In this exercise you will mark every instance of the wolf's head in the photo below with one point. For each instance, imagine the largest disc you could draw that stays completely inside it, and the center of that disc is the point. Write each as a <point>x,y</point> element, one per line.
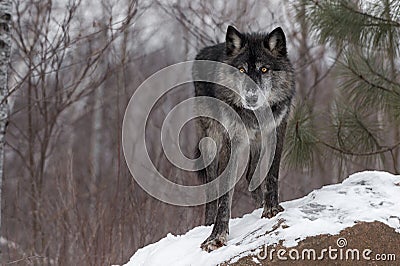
<point>262,57</point>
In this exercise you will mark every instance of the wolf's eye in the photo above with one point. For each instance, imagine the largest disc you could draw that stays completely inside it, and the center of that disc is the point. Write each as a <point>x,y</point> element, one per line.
<point>264,70</point>
<point>242,70</point>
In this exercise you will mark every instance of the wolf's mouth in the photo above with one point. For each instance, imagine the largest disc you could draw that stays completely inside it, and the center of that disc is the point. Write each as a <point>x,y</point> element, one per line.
<point>251,106</point>
<point>252,101</point>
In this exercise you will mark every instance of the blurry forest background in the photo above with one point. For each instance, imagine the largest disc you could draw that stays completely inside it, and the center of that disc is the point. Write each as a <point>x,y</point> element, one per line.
<point>68,197</point>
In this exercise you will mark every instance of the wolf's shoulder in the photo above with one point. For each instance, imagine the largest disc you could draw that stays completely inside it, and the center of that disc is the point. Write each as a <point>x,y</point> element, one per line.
<point>214,52</point>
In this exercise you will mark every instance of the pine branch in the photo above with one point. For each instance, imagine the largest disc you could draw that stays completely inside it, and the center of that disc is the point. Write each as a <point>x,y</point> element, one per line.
<point>368,34</point>
<point>388,22</point>
<point>349,152</point>
<point>300,138</point>
<point>370,83</point>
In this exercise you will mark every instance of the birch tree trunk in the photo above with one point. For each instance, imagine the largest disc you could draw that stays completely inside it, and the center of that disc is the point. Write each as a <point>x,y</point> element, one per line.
<point>5,47</point>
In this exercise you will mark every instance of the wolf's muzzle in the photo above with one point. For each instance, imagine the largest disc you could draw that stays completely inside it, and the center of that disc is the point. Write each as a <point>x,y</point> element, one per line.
<point>251,100</point>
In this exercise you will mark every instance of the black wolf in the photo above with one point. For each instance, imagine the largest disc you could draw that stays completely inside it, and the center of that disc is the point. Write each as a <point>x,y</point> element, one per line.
<point>263,57</point>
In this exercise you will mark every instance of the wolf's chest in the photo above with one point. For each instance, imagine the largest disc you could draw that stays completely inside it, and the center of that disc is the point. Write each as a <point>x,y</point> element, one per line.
<point>247,127</point>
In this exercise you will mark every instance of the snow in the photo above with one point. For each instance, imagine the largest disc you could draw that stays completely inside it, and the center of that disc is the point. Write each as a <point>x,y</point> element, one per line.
<point>366,196</point>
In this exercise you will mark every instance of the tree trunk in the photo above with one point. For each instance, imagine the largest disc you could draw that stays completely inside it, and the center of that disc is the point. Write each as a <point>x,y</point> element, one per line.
<point>5,47</point>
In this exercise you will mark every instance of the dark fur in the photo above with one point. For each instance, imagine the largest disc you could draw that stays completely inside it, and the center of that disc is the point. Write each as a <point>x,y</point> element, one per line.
<point>250,50</point>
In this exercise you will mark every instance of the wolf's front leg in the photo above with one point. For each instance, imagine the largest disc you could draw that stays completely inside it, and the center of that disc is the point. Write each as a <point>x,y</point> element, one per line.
<point>271,202</point>
<point>252,174</point>
<point>228,165</point>
<point>220,231</point>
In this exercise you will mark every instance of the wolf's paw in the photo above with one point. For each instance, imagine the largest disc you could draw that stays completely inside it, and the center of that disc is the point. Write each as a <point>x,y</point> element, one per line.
<point>213,243</point>
<point>271,212</point>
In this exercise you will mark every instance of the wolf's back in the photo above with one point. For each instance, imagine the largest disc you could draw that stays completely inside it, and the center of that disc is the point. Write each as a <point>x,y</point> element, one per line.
<point>212,53</point>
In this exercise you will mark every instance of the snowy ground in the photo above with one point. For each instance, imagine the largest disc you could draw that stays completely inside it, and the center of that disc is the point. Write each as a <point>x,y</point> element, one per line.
<point>366,196</point>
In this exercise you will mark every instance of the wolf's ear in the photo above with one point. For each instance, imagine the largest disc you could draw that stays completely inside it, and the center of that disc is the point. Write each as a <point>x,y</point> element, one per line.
<point>234,40</point>
<point>276,42</point>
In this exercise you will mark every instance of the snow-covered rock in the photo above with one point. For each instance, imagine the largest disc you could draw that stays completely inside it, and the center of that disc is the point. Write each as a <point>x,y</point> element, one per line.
<point>365,196</point>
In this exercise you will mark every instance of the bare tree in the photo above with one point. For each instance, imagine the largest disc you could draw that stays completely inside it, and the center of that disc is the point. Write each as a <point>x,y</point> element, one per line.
<point>5,48</point>
<point>57,68</point>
